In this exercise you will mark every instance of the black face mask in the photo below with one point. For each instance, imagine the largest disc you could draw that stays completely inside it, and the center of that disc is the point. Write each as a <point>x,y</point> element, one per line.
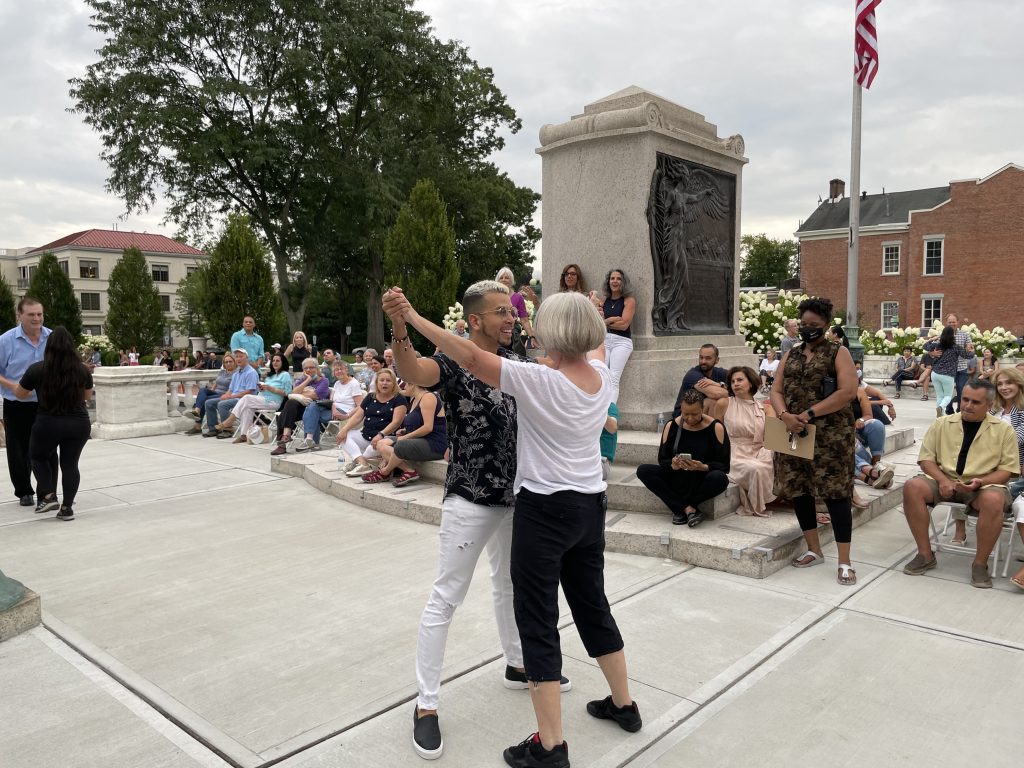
<point>810,335</point>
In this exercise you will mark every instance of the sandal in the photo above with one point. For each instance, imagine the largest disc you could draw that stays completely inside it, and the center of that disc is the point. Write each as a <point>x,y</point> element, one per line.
<point>824,518</point>
<point>896,396</point>
<point>847,577</point>
<point>405,478</point>
<point>1018,579</point>
<point>376,476</point>
<point>924,397</point>
<point>815,560</point>
<point>958,542</point>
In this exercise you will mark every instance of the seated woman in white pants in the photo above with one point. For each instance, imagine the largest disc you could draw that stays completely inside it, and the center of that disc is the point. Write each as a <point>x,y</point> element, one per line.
<point>618,309</point>
<point>381,415</point>
<point>273,390</point>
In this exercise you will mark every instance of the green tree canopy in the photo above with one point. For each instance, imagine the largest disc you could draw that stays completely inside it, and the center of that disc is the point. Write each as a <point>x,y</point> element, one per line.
<point>313,118</point>
<point>8,306</point>
<point>53,289</point>
<point>134,318</point>
<point>767,261</point>
<point>237,282</point>
<point>189,301</point>
<point>419,253</point>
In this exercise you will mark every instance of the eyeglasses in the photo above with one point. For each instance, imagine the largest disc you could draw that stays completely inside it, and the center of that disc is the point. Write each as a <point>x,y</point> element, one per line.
<point>570,274</point>
<point>499,311</point>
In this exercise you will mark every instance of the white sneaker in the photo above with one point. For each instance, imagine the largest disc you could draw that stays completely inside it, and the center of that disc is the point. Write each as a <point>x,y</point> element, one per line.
<point>346,468</point>
<point>303,445</point>
<point>358,470</point>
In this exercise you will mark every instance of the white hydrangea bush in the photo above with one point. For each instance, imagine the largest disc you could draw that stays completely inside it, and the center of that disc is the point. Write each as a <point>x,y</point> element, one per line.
<point>761,320</point>
<point>892,342</point>
<point>453,315</point>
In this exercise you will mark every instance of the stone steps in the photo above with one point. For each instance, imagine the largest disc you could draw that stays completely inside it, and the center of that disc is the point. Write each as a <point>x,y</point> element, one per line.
<point>747,546</point>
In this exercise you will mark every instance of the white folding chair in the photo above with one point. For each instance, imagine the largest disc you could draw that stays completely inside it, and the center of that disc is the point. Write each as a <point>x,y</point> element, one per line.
<point>964,549</point>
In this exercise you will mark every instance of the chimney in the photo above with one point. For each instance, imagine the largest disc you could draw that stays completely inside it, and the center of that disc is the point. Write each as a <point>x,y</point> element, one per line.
<point>836,189</point>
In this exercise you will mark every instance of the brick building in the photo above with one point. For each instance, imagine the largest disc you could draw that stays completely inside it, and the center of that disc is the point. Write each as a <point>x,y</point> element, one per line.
<point>925,253</point>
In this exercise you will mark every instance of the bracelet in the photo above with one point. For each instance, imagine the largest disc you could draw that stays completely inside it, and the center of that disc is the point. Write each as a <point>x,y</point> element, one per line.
<point>396,340</point>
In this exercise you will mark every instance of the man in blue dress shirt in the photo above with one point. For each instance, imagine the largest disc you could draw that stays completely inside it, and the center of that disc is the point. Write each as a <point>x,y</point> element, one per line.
<point>249,340</point>
<point>19,348</point>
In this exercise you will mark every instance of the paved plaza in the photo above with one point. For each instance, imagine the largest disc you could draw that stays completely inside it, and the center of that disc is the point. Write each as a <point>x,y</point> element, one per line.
<point>203,611</point>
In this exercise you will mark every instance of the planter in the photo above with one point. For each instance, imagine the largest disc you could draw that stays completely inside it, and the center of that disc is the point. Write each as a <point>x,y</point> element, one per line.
<point>198,344</point>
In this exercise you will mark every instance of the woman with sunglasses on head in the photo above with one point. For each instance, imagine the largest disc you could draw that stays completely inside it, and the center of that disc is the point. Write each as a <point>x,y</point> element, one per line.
<point>62,383</point>
<point>273,390</point>
<point>617,311</point>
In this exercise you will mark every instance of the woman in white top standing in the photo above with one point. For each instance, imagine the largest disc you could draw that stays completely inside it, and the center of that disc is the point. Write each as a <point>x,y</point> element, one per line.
<point>558,528</point>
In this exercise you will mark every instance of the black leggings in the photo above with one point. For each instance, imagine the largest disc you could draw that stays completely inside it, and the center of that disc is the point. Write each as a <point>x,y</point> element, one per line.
<point>68,434</point>
<point>839,509</point>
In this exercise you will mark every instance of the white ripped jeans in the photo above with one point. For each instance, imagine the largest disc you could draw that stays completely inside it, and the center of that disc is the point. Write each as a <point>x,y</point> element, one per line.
<point>617,350</point>
<point>466,529</point>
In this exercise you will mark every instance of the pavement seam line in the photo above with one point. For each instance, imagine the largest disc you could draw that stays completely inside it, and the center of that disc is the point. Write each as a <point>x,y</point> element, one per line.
<point>127,697</point>
<point>186,719</point>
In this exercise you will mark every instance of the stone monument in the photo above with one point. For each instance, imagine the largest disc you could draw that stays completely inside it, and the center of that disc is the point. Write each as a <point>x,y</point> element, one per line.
<point>639,183</point>
<point>19,608</point>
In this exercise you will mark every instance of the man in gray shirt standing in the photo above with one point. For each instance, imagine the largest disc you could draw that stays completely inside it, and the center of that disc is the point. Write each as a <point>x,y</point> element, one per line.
<point>962,365</point>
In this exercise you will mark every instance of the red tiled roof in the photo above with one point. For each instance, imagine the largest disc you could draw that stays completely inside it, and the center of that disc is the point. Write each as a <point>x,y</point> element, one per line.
<point>108,239</point>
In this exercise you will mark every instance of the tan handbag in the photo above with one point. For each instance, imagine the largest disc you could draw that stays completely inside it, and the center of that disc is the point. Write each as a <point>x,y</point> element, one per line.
<point>779,439</point>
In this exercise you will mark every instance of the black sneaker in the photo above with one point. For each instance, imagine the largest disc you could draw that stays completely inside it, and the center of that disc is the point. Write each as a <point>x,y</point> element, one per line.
<point>66,513</point>
<point>678,518</point>
<point>426,735</point>
<point>627,717</point>
<point>530,754</point>
<point>47,505</point>
<point>695,519</point>
<point>27,500</point>
<point>516,680</point>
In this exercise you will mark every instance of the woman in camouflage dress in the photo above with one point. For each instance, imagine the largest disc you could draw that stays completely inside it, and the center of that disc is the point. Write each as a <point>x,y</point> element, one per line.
<point>797,398</point>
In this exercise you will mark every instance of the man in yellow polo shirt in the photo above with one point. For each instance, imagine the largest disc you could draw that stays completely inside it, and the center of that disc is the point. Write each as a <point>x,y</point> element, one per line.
<point>966,458</point>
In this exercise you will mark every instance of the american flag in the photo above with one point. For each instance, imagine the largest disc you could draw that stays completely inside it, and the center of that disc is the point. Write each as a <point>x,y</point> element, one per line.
<point>866,43</point>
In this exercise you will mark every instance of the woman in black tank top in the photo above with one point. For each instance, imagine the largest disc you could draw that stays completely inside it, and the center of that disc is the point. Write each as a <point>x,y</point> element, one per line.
<point>684,483</point>
<point>619,307</point>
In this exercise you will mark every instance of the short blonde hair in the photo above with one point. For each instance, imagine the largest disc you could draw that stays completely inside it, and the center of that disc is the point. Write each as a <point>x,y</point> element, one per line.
<point>1017,377</point>
<point>388,372</point>
<point>568,323</point>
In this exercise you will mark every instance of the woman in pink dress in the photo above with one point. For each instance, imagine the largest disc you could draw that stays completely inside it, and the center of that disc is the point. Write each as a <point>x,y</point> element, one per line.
<point>751,463</point>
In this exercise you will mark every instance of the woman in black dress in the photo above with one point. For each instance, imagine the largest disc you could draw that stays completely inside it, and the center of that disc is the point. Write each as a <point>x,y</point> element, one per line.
<point>693,461</point>
<point>62,383</point>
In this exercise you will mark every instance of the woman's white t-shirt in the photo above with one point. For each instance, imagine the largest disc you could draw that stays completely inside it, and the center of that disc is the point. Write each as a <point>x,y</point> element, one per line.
<point>769,367</point>
<point>558,428</point>
<point>347,396</point>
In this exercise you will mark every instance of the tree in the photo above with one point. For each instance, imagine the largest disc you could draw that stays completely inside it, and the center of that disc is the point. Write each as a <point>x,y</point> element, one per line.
<point>238,283</point>
<point>8,309</point>
<point>189,301</point>
<point>419,252</point>
<point>134,318</point>
<point>315,119</point>
<point>53,289</point>
<point>767,261</point>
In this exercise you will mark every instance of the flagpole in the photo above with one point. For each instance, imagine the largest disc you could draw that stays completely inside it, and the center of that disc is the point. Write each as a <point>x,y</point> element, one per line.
<point>853,252</point>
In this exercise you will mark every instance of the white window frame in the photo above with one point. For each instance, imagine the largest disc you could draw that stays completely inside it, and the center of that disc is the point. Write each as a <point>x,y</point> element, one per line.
<point>899,257</point>
<point>165,297</point>
<point>153,268</point>
<point>81,266</point>
<point>941,240</point>
<point>99,301</point>
<point>888,323</point>
<point>939,297</point>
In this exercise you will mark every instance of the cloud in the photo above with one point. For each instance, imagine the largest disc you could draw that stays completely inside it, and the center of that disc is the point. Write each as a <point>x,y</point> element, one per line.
<point>945,104</point>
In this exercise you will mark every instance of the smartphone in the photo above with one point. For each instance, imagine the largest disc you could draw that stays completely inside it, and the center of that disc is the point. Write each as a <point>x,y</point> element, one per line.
<point>683,456</point>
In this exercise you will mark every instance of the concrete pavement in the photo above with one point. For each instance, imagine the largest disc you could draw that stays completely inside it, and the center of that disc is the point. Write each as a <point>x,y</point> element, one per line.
<point>201,611</point>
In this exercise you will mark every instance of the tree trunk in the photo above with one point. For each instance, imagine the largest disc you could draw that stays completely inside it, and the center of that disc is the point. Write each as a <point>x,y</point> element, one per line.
<point>374,313</point>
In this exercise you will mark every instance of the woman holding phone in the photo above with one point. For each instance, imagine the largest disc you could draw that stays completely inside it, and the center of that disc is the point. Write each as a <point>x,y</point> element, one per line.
<point>693,461</point>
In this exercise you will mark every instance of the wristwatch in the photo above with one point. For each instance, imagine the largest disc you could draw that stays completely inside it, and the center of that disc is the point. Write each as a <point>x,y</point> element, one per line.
<point>810,413</point>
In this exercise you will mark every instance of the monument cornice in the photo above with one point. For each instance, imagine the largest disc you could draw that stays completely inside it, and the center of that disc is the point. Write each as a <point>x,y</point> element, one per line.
<point>648,116</point>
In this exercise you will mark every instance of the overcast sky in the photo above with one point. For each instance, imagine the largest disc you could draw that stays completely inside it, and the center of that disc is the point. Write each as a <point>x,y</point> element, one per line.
<point>947,102</point>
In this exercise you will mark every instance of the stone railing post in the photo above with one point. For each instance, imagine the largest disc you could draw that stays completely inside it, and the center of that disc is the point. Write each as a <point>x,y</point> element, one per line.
<point>182,388</point>
<point>19,608</point>
<point>131,401</point>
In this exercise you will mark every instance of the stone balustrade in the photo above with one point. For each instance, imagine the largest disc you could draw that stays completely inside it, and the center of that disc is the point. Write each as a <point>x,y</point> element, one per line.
<point>142,400</point>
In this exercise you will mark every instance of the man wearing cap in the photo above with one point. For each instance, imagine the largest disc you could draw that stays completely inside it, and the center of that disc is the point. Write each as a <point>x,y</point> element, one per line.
<point>244,381</point>
<point>248,340</point>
